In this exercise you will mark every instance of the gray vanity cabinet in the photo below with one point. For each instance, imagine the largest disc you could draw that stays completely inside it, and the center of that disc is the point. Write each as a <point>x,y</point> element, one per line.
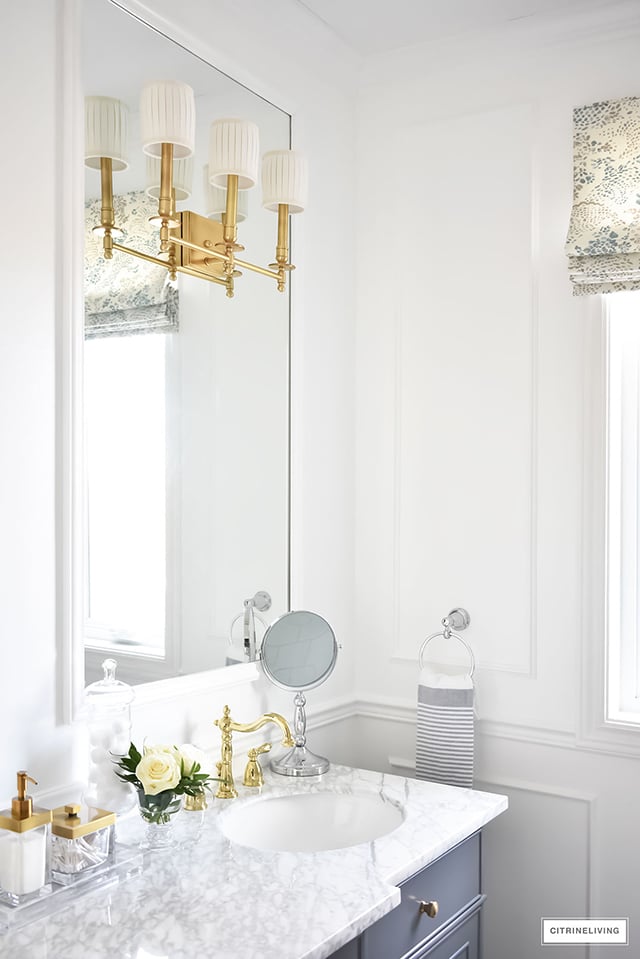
<point>453,882</point>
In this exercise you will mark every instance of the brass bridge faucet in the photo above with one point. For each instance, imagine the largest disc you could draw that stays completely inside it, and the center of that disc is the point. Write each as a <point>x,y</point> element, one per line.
<point>227,725</point>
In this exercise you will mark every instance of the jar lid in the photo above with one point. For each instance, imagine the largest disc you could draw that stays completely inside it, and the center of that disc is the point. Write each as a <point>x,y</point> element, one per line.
<point>109,691</point>
<point>73,820</point>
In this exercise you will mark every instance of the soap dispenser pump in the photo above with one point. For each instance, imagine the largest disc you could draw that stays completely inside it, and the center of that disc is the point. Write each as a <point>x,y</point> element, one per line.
<point>24,847</point>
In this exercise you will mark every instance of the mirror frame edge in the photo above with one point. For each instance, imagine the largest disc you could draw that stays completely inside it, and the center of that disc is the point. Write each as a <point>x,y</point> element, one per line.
<point>69,670</point>
<point>69,283</point>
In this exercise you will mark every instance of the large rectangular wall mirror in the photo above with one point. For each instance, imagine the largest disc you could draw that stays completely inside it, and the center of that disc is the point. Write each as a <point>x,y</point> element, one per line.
<point>185,406</point>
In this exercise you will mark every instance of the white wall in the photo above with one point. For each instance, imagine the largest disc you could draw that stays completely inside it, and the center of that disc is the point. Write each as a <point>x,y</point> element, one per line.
<point>28,398</point>
<point>470,426</point>
<point>272,59</point>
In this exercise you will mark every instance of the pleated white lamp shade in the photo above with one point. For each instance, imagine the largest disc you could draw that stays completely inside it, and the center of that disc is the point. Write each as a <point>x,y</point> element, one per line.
<point>216,200</point>
<point>284,180</point>
<point>234,148</point>
<point>168,115</point>
<point>182,177</point>
<point>106,132</point>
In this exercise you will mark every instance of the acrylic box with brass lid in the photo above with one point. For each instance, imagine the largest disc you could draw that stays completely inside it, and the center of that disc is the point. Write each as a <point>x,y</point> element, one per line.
<point>82,838</point>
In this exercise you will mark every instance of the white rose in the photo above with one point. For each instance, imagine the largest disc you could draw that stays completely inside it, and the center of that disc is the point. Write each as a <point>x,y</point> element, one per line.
<point>158,770</point>
<point>191,755</point>
<point>162,748</point>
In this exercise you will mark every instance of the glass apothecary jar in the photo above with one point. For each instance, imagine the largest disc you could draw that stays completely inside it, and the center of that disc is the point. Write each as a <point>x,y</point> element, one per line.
<point>107,709</point>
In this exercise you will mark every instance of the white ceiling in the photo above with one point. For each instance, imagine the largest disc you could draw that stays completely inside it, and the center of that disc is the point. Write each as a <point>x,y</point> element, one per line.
<point>374,26</point>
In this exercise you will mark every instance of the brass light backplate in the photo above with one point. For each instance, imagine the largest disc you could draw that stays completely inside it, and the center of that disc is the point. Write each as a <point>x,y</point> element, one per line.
<point>203,232</point>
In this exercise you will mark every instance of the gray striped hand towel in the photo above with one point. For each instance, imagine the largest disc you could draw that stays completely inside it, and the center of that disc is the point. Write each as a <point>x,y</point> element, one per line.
<point>445,734</point>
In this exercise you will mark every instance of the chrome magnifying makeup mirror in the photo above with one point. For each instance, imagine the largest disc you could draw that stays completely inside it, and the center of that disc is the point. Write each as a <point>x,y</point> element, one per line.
<point>299,652</point>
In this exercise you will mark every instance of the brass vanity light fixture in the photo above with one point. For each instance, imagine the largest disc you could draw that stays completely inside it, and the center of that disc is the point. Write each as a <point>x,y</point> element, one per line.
<point>188,242</point>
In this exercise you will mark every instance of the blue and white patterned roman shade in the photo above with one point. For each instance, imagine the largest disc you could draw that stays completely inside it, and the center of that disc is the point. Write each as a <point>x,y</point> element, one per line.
<point>603,243</point>
<point>127,295</point>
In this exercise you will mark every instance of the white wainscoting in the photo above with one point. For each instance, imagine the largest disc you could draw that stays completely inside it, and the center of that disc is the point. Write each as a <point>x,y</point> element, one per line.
<point>536,862</point>
<point>564,848</point>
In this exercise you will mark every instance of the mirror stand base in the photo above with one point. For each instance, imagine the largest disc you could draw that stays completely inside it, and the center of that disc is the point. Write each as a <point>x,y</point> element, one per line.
<point>300,761</point>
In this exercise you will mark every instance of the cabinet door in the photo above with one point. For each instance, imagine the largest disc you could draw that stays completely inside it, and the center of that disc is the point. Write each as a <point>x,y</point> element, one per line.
<point>351,950</point>
<point>453,881</point>
<point>462,943</point>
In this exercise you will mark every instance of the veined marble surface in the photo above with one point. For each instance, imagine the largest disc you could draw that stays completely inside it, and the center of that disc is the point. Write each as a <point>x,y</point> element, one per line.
<point>213,898</point>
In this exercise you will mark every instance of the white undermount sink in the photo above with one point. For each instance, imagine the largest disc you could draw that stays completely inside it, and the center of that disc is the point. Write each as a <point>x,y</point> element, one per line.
<point>311,822</point>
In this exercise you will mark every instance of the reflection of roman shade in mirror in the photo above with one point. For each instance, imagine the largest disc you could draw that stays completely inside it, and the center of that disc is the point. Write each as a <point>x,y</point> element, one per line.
<point>126,295</point>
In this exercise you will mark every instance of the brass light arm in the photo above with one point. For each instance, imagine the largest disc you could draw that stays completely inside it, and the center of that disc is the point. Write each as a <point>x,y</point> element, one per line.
<point>199,249</point>
<point>256,269</point>
<point>107,219</point>
<point>142,256</point>
<point>222,256</point>
<point>166,264</point>
<point>282,248</point>
<point>165,200</point>
<point>198,273</point>
<point>230,216</point>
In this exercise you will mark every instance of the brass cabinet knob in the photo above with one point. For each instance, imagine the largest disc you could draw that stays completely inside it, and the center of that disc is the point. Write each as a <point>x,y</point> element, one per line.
<point>431,908</point>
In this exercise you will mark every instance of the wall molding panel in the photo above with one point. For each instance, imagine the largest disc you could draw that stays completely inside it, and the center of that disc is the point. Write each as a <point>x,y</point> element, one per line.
<point>445,395</point>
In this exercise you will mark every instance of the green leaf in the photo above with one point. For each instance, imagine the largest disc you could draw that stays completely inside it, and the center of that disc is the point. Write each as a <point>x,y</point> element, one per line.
<point>129,778</point>
<point>163,799</point>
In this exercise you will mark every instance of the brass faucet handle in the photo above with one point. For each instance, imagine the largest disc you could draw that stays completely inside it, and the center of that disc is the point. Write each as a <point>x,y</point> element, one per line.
<point>253,772</point>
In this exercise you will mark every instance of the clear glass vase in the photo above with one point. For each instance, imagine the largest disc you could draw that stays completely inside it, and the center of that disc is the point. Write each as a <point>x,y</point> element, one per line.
<point>159,813</point>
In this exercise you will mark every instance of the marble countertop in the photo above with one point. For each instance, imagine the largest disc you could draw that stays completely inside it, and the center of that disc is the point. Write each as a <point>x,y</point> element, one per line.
<point>215,898</point>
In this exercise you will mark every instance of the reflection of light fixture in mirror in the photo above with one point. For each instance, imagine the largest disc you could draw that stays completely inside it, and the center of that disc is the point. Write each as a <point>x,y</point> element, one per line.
<point>190,243</point>
<point>216,200</point>
<point>182,178</point>
<point>299,651</point>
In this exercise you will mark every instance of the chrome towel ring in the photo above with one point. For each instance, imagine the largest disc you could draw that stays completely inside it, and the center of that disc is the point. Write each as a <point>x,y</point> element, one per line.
<point>460,619</point>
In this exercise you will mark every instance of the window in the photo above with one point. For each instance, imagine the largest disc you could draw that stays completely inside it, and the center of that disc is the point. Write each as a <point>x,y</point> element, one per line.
<point>125,423</point>
<point>623,519</point>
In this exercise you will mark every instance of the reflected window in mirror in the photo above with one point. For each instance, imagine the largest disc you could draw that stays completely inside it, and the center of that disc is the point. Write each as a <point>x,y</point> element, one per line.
<point>126,463</point>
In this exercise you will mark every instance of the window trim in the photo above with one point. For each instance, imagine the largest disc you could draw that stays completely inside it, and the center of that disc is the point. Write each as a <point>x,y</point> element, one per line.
<point>595,730</point>
<point>623,513</point>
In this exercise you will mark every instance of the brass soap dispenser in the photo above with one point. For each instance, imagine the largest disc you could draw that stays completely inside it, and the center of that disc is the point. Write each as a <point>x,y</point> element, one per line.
<point>24,847</point>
